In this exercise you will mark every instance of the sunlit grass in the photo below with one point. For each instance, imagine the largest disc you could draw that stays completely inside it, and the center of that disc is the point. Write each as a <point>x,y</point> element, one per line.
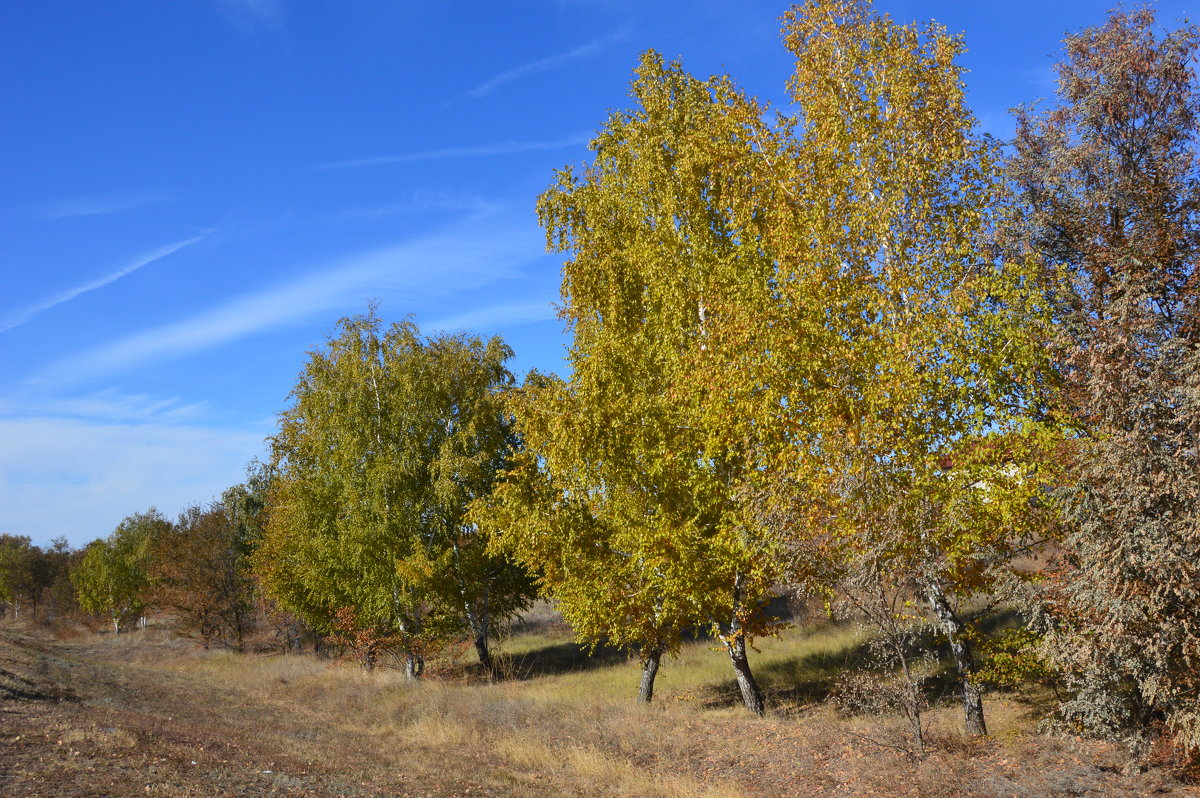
<point>533,726</point>
<point>799,662</point>
<point>564,722</point>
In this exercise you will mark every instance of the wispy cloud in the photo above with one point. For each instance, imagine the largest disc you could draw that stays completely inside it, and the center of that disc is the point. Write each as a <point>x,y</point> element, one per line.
<point>78,477</point>
<point>107,405</point>
<point>74,465</point>
<point>497,316</point>
<point>250,14</point>
<point>501,148</point>
<point>579,53</point>
<point>468,255</point>
<point>420,202</point>
<point>100,204</point>
<point>22,315</point>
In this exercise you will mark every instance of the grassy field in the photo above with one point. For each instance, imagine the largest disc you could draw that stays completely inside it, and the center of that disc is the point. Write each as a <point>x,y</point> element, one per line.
<point>148,715</point>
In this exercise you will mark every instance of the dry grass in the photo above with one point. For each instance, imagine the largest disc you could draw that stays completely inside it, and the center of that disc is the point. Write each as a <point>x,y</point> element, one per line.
<point>152,715</point>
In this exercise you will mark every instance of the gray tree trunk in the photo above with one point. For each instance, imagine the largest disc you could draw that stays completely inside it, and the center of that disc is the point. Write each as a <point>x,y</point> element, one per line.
<point>735,644</point>
<point>752,696</point>
<point>649,673</point>
<point>964,660</point>
<point>481,626</point>
<point>414,666</point>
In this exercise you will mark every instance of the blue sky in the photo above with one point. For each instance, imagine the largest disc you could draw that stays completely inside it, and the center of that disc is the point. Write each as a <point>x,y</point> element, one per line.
<point>194,192</point>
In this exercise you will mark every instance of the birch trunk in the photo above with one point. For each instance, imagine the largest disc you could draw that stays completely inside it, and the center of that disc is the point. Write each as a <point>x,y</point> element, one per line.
<point>964,660</point>
<point>485,655</point>
<point>735,645</point>
<point>752,696</point>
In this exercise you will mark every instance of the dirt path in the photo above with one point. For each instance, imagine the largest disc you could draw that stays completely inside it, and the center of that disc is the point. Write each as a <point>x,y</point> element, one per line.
<point>82,720</point>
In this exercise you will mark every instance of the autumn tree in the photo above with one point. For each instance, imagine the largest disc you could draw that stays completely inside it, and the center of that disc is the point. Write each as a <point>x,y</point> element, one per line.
<point>389,437</point>
<point>51,580</point>
<point>601,559</point>
<point>199,573</point>
<point>628,442</point>
<point>902,362</point>
<point>112,578</point>
<point>19,573</point>
<point>1107,201</point>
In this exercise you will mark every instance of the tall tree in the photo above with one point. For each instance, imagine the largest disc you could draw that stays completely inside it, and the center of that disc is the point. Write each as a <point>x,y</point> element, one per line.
<point>474,442</point>
<point>58,594</point>
<point>388,438</point>
<point>1108,190</point>
<point>653,260</point>
<point>902,363</point>
<point>112,578</point>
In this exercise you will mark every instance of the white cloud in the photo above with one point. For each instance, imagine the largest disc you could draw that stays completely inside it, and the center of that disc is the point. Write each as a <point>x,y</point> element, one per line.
<point>100,204</point>
<point>468,255</point>
<point>79,478</point>
<point>249,14</point>
<point>22,315</point>
<point>484,151</point>
<point>491,318</point>
<point>109,404</point>
<point>418,202</point>
<point>541,65</point>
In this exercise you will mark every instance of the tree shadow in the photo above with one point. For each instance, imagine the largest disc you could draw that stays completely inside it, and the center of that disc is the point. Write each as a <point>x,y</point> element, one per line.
<point>802,680</point>
<point>559,658</point>
<point>812,678</point>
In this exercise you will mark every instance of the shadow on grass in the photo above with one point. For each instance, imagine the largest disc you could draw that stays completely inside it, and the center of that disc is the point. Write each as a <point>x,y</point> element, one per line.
<point>805,679</point>
<point>559,658</point>
<point>811,678</point>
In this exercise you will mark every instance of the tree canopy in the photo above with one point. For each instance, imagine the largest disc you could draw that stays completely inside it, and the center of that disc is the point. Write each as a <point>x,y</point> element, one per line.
<point>1108,203</point>
<point>389,436</point>
<point>112,578</point>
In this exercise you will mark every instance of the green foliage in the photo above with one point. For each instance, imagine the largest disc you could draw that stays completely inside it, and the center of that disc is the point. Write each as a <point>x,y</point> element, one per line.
<point>627,498</point>
<point>112,578</point>
<point>1015,658</point>
<point>607,571</point>
<point>246,506</point>
<point>388,438</point>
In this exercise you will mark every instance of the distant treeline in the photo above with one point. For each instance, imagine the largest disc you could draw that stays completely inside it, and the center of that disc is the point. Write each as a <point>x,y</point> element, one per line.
<point>35,583</point>
<point>852,349</point>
